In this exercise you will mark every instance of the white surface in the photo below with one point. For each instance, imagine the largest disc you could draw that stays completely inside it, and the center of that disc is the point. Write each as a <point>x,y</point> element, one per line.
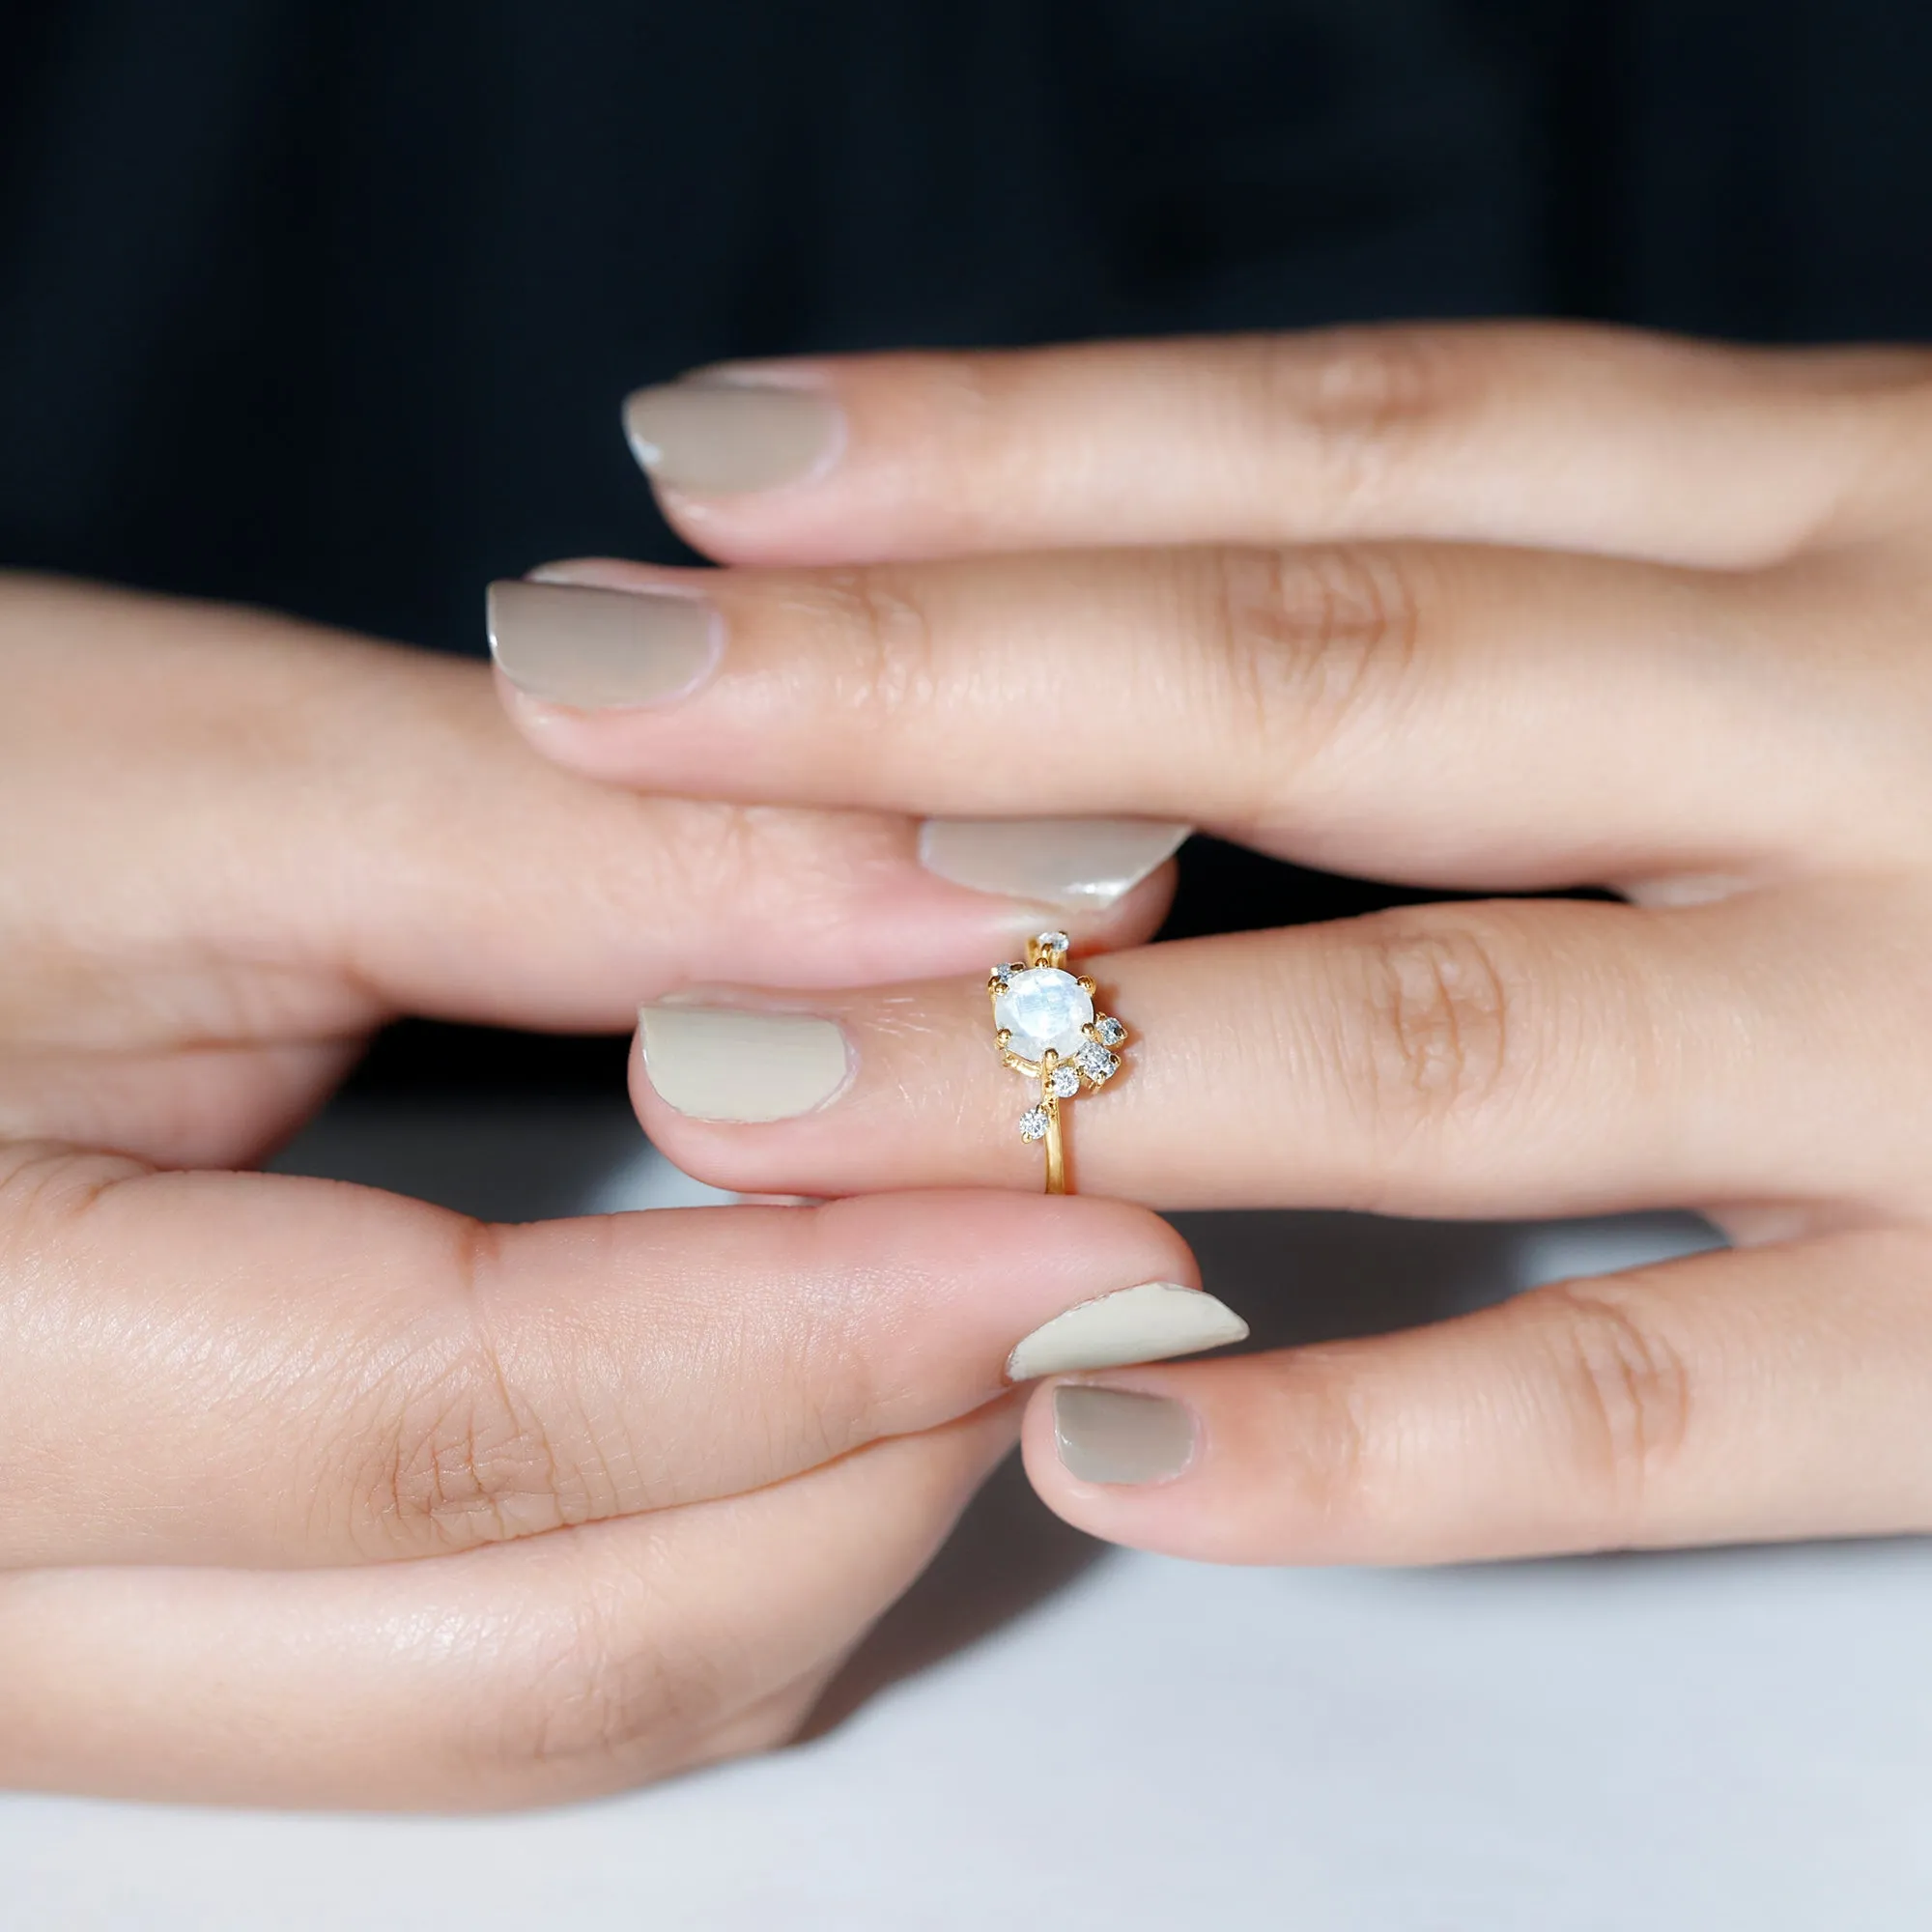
<point>1734,1738</point>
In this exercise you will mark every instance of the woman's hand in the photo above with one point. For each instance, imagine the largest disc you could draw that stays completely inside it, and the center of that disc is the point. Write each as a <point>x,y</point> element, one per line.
<point>310,1494</point>
<point>1491,609</point>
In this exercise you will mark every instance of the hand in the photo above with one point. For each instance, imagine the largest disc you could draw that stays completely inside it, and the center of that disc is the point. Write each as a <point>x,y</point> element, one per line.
<point>1491,609</point>
<point>310,1494</point>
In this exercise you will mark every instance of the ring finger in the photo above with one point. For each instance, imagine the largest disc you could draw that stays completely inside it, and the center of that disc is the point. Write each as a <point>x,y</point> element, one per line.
<point>1496,1059</point>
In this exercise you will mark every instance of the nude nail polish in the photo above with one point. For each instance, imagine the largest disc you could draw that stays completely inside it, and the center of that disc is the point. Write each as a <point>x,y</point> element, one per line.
<point>1119,1435</point>
<point>1146,1323</point>
<point>715,438</point>
<point>1073,865</point>
<point>599,649</point>
<point>733,1064</point>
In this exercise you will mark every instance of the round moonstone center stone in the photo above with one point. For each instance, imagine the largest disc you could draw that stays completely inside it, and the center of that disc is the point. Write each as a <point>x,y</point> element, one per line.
<point>1044,1008</point>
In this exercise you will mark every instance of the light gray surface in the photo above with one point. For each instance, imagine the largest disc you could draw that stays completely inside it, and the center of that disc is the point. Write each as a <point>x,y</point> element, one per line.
<point>1733,1739</point>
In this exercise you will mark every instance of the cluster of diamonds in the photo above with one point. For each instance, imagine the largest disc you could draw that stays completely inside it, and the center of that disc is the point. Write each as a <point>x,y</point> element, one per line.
<point>1075,1043</point>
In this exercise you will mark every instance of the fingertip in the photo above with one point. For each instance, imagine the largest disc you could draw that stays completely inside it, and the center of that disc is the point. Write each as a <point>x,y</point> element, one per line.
<point>1148,1459</point>
<point>727,449</point>
<point>1110,1456</point>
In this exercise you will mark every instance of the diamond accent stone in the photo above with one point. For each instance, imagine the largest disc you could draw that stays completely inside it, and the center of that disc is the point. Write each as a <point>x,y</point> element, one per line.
<point>1032,1124</point>
<point>1063,1083</point>
<point>1110,1031</point>
<point>1096,1063</point>
<point>1042,1008</point>
<point>1053,942</point>
<point>1000,975</point>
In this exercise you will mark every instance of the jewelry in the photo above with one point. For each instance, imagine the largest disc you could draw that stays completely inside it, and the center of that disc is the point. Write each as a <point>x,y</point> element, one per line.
<point>1049,1030</point>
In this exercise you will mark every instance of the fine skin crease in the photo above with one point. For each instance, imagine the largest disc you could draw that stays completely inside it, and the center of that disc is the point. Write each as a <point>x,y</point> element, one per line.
<point>1491,609</point>
<point>314,1495</point>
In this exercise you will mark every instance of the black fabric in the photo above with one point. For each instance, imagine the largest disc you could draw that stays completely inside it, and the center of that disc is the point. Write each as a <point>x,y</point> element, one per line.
<point>329,303</point>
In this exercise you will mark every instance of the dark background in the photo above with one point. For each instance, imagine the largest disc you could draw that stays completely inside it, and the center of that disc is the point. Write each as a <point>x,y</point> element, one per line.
<point>330,306</point>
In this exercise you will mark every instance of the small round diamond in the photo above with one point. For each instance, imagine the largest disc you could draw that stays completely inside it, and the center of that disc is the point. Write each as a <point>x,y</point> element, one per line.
<point>1110,1031</point>
<point>1001,976</point>
<point>1063,1083</point>
<point>1032,1124</point>
<point>1044,1008</point>
<point>1096,1063</point>
<point>1053,942</point>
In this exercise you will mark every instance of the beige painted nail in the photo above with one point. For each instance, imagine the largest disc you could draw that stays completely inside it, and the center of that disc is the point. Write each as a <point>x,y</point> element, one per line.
<point>1075,864</point>
<point>576,645</point>
<point>1117,1436</point>
<point>720,438</point>
<point>728,1063</point>
<point>1146,1323</point>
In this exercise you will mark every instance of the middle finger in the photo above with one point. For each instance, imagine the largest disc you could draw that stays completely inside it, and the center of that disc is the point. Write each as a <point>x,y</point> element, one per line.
<point>254,1370</point>
<point>1444,715</point>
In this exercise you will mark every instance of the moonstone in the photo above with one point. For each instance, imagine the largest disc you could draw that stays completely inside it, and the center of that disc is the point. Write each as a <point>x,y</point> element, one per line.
<point>1044,1008</point>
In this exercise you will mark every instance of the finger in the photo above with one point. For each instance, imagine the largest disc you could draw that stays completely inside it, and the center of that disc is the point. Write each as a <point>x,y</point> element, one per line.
<point>1576,439</point>
<point>1501,720</point>
<point>1493,1060</point>
<point>354,831</point>
<point>261,1370</point>
<point>1730,1398</point>
<point>544,1672</point>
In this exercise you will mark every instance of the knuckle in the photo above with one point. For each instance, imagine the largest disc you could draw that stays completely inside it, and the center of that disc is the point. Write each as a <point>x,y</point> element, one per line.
<point>1312,645</point>
<point>1365,396</point>
<point>598,1696</point>
<point>462,1466</point>
<point>455,1454</point>
<point>1627,1390</point>
<point>1324,1413</point>
<point>723,848</point>
<point>1444,1008</point>
<point>889,666</point>
<point>967,404</point>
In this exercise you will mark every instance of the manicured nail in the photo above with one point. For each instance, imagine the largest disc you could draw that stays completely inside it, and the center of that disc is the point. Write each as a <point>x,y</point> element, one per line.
<point>1113,1436</point>
<point>575,644</point>
<point>1075,864</point>
<point>728,1063</point>
<point>1146,1323</point>
<point>718,439</point>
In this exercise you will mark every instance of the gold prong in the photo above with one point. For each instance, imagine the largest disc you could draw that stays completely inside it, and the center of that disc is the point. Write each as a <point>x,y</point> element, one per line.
<point>1052,1060</point>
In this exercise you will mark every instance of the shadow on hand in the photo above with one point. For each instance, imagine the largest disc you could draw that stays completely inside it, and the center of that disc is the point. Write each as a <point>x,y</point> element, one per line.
<point>1296,1278</point>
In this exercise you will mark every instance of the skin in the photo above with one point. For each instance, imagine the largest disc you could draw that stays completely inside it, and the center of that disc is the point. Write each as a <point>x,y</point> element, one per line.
<point>1489,609</point>
<point>312,1495</point>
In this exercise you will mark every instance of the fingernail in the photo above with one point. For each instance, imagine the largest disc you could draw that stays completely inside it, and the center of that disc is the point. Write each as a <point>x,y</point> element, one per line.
<point>728,1063</point>
<point>575,644</point>
<point>1076,864</point>
<point>716,438</point>
<point>1146,1323</point>
<point>1113,1436</point>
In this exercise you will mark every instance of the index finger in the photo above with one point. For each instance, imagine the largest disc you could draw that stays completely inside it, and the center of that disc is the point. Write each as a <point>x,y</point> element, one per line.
<point>273,1371</point>
<point>1529,434</point>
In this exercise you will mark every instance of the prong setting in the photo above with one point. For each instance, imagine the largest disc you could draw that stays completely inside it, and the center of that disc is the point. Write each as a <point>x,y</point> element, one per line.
<point>1048,1030</point>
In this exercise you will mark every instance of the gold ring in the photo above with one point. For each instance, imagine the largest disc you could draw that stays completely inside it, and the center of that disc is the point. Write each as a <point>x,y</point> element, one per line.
<point>1049,1029</point>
